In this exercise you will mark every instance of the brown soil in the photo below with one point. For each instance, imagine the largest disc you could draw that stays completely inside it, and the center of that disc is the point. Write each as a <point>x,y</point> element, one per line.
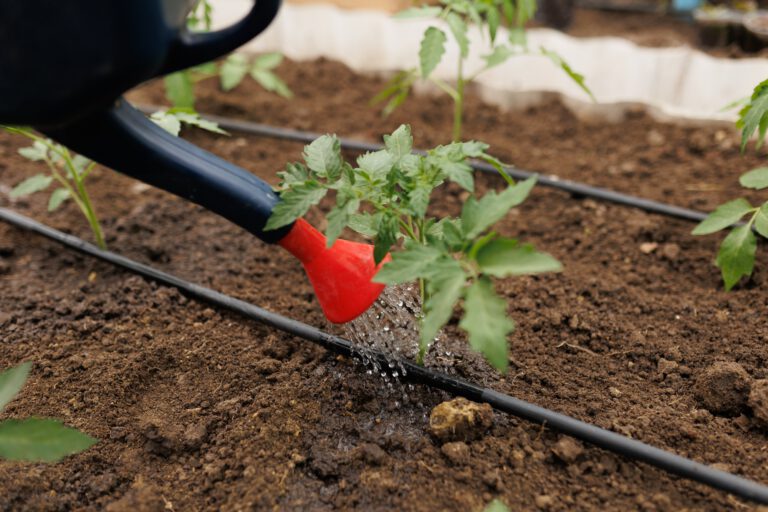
<point>198,409</point>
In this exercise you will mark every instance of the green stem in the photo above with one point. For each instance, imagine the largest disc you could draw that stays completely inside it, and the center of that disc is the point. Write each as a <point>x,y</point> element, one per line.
<point>458,102</point>
<point>86,207</point>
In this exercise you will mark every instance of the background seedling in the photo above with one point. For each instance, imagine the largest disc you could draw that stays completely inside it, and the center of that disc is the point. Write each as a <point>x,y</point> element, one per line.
<point>34,439</point>
<point>736,257</point>
<point>386,197</point>
<point>487,16</point>
<point>65,169</point>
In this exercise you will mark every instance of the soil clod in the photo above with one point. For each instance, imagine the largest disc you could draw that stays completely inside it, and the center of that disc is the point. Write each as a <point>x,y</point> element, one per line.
<point>460,420</point>
<point>723,388</point>
<point>457,452</point>
<point>758,401</point>
<point>568,450</point>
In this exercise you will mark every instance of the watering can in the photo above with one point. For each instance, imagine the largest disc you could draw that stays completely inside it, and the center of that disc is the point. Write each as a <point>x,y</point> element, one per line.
<point>63,68</point>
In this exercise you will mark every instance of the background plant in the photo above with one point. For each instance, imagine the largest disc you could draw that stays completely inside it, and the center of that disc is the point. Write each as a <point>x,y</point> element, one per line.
<point>67,170</point>
<point>736,256</point>
<point>34,439</point>
<point>386,197</point>
<point>487,16</point>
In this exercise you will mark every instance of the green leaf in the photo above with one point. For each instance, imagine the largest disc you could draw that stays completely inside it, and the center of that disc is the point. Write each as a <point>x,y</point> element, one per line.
<point>498,56</point>
<point>365,224</point>
<point>756,178</point>
<point>754,116</point>
<point>377,164</point>
<point>576,77</point>
<point>167,122</point>
<point>485,320</point>
<point>57,198</point>
<point>460,173</point>
<point>432,50</point>
<point>418,12</point>
<point>80,164</point>
<point>496,506</point>
<point>444,287</point>
<point>526,9</point>
<point>517,37</point>
<point>389,229</point>
<point>338,218</point>
<point>408,265</point>
<point>294,204</point>
<point>194,119</point>
<point>31,185</point>
<point>494,20</point>
<point>233,70</point>
<point>761,220</point>
<point>400,143</point>
<point>293,173</point>
<point>418,199</point>
<point>509,10</point>
<point>36,152</point>
<point>504,257</point>
<point>271,82</point>
<point>477,216</point>
<point>268,60</point>
<point>459,31</point>
<point>11,382</point>
<point>724,216</point>
<point>179,89</point>
<point>323,157</point>
<point>736,257</point>
<point>40,440</point>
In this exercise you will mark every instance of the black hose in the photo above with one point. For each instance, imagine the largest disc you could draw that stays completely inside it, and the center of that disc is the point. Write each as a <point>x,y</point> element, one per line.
<point>551,181</point>
<point>608,440</point>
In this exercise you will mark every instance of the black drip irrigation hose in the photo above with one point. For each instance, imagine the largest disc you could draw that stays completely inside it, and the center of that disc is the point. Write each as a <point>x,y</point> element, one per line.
<point>667,461</point>
<point>551,181</point>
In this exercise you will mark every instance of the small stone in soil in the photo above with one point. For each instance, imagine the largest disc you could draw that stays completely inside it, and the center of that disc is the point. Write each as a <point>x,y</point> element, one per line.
<point>758,401</point>
<point>567,450</point>
<point>723,388</point>
<point>460,420</point>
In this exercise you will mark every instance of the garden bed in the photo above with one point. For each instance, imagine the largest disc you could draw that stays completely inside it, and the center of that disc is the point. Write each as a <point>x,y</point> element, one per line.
<point>197,408</point>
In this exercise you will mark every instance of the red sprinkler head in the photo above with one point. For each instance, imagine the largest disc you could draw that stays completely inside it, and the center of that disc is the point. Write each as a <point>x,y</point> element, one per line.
<point>341,275</point>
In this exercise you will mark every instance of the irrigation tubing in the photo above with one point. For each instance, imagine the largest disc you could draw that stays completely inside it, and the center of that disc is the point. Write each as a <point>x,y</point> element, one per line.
<point>606,439</point>
<point>551,181</point>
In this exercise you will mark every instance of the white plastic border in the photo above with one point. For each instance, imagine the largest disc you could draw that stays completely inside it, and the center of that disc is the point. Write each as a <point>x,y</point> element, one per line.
<point>674,82</point>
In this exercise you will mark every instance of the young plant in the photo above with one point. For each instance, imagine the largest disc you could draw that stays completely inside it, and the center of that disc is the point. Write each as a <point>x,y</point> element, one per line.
<point>487,15</point>
<point>34,439</point>
<point>736,257</point>
<point>386,197</point>
<point>180,86</point>
<point>68,171</point>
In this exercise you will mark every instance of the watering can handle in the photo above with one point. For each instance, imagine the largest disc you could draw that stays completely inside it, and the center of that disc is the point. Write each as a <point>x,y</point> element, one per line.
<point>126,140</point>
<point>191,49</point>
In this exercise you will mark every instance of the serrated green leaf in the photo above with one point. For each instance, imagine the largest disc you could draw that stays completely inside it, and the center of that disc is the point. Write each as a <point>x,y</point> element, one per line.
<point>754,116</point>
<point>194,119</point>
<point>40,440</point>
<point>179,89</point>
<point>408,265</point>
<point>293,173</point>
<point>11,382</point>
<point>459,31</point>
<point>578,78</point>
<point>498,56</point>
<point>445,287</point>
<point>80,164</point>
<point>473,148</point>
<point>38,151</point>
<point>485,320</point>
<point>323,157</point>
<point>479,215</point>
<point>418,12</point>
<point>57,198</point>
<point>736,257</point>
<point>271,82</point>
<point>459,173</point>
<point>376,164</point>
<point>504,257</point>
<point>386,237</point>
<point>756,178</point>
<point>365,224</point>
<point>294,204</point>
<point>400,143</point>
<point>31,185</point>
<point>167,122</point>
<point>233,70</point>
<point>418,199</point>
<point>268,60</point>
<point>761,220</point>
<point>338,218</point>
<point>432,50</point>
<point>724,216</point>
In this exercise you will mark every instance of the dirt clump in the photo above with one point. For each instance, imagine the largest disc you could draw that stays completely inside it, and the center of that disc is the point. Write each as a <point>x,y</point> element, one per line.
<point>758,401</point>
<point>460,420</point>
<point>723,388</point>
<point>457,452</point>
<point>568,450</point>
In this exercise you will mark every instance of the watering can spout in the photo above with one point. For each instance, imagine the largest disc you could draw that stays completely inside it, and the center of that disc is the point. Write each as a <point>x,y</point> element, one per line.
<point>341,275</point>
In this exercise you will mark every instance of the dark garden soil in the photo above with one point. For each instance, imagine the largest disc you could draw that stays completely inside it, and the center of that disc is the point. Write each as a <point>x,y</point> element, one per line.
<point>198,409</point>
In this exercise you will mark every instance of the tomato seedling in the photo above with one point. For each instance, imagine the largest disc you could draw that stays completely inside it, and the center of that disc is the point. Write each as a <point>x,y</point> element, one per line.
<point>458,15</point>
<point>386,197</point>
<point>34,439</point>
<point>67,170</point>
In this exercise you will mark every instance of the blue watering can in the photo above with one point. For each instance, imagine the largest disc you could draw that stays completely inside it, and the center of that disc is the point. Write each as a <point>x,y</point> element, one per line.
<point>64,65</point>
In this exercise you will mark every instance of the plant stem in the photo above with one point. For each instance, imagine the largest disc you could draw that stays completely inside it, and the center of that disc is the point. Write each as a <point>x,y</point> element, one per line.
<point>458,102</point>
<point>85,205</point>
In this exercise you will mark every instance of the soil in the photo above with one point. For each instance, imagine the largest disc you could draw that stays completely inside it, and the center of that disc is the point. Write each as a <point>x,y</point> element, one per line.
<point>198,409</point>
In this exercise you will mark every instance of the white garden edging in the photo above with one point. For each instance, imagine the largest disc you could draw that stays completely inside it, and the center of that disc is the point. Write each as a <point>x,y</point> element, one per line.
<point>677,82</point>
